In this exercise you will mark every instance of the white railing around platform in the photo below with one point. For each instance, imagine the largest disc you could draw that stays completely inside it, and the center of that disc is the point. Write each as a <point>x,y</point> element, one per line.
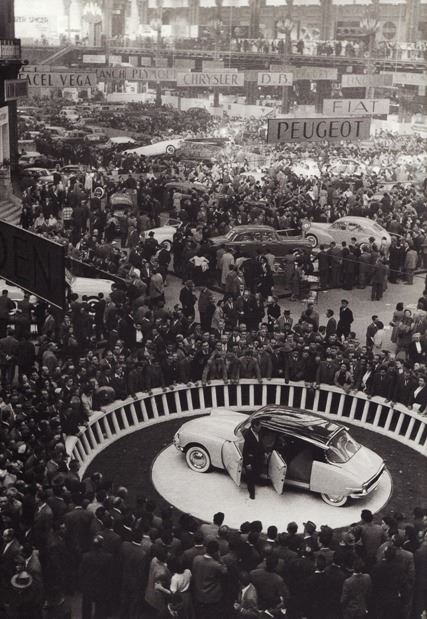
<point>124,417</point>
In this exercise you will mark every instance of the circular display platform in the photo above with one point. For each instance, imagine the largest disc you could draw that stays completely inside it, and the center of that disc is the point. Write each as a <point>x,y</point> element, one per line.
<point>204,494</point>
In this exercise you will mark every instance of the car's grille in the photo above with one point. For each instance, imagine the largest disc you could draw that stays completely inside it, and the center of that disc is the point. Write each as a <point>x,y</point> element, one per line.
<point>368,485</point>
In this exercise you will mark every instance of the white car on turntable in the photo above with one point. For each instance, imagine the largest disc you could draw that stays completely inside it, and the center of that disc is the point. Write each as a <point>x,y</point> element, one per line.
<point>303,449</point>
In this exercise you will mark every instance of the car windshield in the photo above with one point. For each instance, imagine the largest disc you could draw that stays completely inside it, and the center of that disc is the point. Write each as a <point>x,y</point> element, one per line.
<point>341,448</point>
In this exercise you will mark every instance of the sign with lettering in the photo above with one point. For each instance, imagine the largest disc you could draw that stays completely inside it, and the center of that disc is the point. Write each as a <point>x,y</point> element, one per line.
<point>13,89</point>
<point>308,73</point>
<point>33,263</point>
<point>354,80</point>
<point>317,129</point>
<point>408,79</point>
<point>95,59</point>
<point>61,80</point>
<point>136,74</point>
<point>210,79</point>
<point>275,78</point>
<point>10,48</point>
<point>358,107</point>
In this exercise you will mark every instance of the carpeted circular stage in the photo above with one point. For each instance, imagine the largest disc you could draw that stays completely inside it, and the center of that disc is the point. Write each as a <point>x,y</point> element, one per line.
<point>204,494</point>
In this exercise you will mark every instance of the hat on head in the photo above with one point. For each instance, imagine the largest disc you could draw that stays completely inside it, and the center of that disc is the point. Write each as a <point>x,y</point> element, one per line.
<point>22,580</point>
<point>310,527</point>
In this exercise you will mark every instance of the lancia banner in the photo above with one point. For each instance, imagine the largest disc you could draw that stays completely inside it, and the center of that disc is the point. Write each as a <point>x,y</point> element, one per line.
<point>366,80</point>
<point>136,74</point>
<point>210,79</point>
<point>275,78</point>
<point>358,107</point>
<point>60,79</point>
<point>317,129</point>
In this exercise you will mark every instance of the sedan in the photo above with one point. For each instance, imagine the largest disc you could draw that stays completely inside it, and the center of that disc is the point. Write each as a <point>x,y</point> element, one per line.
<point>301,449</point>
<point>248,239</point>
<point>346,228</point>
<point>40,174</point>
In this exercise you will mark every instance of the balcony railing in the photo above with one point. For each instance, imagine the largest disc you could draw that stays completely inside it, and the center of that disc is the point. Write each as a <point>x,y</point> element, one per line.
<point>121,418</point>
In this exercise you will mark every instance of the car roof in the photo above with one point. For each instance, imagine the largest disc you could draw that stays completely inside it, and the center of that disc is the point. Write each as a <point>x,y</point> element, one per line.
<point>252,227</point>
<point>299,423</point>
<point>360,220</point>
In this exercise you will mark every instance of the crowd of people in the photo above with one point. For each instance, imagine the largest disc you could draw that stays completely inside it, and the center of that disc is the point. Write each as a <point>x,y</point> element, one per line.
<point>62,534</point>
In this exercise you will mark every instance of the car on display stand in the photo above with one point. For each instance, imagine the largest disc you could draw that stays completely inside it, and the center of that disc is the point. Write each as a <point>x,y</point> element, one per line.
<point>302,450</point>
<point>344,229</point>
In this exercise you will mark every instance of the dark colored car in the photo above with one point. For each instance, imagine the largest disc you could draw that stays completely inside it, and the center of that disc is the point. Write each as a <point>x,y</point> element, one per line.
<point>248,239</point>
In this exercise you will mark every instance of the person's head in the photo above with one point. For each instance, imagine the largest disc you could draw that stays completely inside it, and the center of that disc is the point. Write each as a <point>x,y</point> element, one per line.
<point>212,548</point>
<point>366,515</point>
<point>329,313</point>
<point>256,425</point>
<point>218,518</point>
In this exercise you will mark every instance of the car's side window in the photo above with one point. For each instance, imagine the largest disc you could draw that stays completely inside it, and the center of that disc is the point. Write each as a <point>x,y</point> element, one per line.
<point>268,236</point>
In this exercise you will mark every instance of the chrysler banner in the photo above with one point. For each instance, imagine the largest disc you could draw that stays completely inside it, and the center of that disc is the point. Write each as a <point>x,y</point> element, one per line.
<point>358,107</point>
<point>317,129</point>
<point>210,78</point>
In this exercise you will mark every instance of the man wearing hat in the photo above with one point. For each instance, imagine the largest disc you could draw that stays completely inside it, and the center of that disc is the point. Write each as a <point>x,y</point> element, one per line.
<point>25,599</point>
<point>253,456</point>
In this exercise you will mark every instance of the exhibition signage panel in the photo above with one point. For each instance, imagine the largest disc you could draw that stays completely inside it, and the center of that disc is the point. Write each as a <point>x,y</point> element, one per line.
<point>33,263</point>
<point>61,80</point>
<point>308,73</point>
<point>13,89</point>
<point>136,74</point>
<point>366,80</point>
<point>409,79</point>
<point>210,79</point>
<point>317,129</point>
<point>358,107</point>
<point>94,59</point>
<point>275,78</point>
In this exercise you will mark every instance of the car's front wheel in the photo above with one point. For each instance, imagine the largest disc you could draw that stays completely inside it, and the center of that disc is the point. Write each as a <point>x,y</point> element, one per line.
<point>167,244</point>
<point>335,500</point>
<point>311,238</point>
<point>198,459</point>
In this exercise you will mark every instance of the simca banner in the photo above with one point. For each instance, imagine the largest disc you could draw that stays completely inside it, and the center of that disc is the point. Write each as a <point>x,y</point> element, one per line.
<point>317,129</point>
<point>275,78</point>
<point>210,79</point>
<point>408,79</point>
<point>358,107</point>
<point>353,80</point>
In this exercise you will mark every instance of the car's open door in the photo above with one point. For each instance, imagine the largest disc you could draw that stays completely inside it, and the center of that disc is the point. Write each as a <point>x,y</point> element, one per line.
<point>232,460</point>
<point>277,471</point>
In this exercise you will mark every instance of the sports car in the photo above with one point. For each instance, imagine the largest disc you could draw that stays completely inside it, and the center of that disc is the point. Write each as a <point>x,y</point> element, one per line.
<point>302,449</point>
<point>346,228</point>
<point>164,234</point>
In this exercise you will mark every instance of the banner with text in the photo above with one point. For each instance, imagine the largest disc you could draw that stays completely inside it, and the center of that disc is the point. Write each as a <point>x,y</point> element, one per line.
<point>275,78</point>
<point>308,73</point>
<point>408,79</point>
<point>136,74</point>
<point>60,79</point>
<point>353,80</point>
<point>210,79</point>
<point>317,129</point>
<point>358,107</point>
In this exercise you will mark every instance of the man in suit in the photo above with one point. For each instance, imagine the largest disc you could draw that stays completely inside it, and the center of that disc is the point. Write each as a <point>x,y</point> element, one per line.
<point>417,350</point>
<point>345,320</point>
<point>381,384</point>
<point>246,604</point>
<point>253,456</point>
<point>355,593</point>
<point>134,563</point>
<point>10,556</point>
<point>403,388</point>
<point>95,580</point>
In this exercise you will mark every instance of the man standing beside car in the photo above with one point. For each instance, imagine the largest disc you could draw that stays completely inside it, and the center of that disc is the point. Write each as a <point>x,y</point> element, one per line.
<point>253,456</point>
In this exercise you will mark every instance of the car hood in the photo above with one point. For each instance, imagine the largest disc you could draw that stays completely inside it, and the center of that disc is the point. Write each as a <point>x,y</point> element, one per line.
<point>90,286</point>
<point>220,424</point>
<point>363,465</point>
